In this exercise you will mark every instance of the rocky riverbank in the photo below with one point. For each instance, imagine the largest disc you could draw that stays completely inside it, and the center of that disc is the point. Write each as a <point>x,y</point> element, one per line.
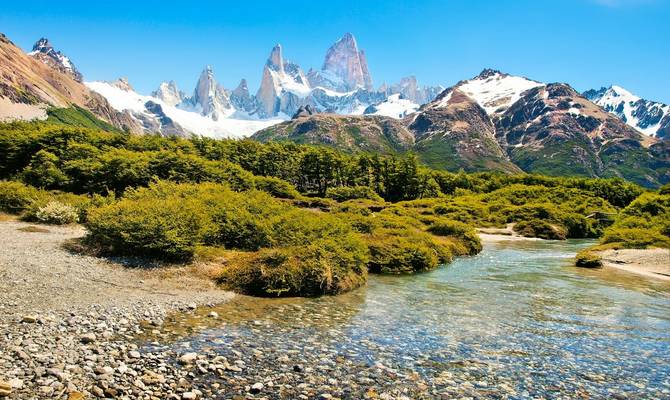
<point>68,320</point>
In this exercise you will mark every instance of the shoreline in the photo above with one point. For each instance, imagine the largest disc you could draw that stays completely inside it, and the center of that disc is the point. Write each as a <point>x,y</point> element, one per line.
<point>70,322</point>
<point>650,263</point>
<point>496,235</point>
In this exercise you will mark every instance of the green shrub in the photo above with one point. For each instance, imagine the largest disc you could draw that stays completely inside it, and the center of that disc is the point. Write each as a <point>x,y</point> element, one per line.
<point>344,193</point>
<point>57,213</point>
<point>326,266</point>
<point>15,197</point>
<point>276,187</point>
<point>539,229</point>
<point>588,259</point>
<point>462,232</point>
<point>636,238</point>
<point>404,251</point>
<point>166,228</point>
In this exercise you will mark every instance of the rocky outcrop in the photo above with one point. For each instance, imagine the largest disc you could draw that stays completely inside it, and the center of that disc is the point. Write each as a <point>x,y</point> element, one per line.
<point>241,99</point>
<point>304,111</point>
<point>210,98</point>
<point>344,69</point>
<point>161,122</point>
<point>44,51</point>
<point>169,93</point>
<point>409,88</point>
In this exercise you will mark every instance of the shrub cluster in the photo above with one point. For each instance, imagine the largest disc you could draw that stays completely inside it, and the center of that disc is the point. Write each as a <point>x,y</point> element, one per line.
<point>644,223</point>
<point>57,213</point>
<point>282,250</point>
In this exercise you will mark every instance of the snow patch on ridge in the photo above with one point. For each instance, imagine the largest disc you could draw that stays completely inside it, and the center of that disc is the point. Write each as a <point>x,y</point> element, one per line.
<point>497,92</point>
<point>193,122</point>
<point>395,107</point>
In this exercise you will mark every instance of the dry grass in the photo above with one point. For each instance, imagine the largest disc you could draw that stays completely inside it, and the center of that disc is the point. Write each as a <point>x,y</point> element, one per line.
<point>33,229</point>
<point>7,217</point>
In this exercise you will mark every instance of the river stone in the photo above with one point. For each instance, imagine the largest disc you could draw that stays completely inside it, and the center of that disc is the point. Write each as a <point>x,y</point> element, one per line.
<point>76,396</point>
<point>188,358</point>
<point>88,338</point>
<point>5,389</point>
<point>29,319</point>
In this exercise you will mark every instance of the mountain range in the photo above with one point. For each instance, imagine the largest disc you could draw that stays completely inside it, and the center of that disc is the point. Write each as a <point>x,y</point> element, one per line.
<point>494,121</point>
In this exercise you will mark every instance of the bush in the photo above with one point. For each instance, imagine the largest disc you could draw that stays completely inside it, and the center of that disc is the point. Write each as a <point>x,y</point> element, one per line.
<point>57,213</point>
<point>463,232</point>
<point>15,197</point>
<point>636,238</point>
<point>145,223</point>
<point>276,187</point>
<point>404,251</point>
<point>326,266</point>
<point>539,229</point>
<point>344,193</point>
<point>587,259</point>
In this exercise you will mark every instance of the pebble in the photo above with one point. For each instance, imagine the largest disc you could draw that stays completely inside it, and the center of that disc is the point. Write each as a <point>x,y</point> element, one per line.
<point>29,319</point>
<point>88,338</point>
<point>188,358</point>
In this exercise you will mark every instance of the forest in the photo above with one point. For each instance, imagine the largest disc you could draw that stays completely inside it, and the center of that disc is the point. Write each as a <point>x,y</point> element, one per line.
<point>282,219</point>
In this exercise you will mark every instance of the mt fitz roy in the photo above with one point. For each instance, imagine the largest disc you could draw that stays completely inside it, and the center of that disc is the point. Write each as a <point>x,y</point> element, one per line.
<point>343,85</point>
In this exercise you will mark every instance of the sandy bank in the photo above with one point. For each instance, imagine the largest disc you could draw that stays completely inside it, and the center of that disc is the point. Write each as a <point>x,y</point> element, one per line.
<point>653,263</point>
<point>495,235</point>
<point>38,275</point>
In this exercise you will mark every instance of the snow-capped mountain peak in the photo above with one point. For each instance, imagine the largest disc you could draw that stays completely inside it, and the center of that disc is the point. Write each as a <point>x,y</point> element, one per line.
<point>44,51</point>
<point>345,67</point>
<point>169,93</point>
<point>649,117</point>
<point>496,91</point>
<point>210,98</point>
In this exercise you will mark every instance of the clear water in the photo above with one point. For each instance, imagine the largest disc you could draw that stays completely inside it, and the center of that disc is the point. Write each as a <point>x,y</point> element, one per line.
<point>518,316</point>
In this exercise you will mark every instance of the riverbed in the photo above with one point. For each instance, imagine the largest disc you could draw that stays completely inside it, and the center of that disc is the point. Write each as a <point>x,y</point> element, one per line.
<point>516,321</point>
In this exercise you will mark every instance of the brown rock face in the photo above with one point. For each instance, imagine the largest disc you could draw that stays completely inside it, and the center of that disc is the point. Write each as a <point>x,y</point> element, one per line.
<point>554,130</point>
<point>346,66</point>
<point>28,81</point>
<point>454,132</point>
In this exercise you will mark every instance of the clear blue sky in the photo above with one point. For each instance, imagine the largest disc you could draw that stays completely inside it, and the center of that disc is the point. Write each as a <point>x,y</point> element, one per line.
<point>587,43</point>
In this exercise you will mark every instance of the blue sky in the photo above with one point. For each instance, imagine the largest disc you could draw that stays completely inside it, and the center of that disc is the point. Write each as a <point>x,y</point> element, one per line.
<point>587,43</point>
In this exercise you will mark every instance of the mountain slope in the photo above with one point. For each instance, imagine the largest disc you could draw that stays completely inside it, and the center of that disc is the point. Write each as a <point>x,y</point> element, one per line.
<point>31,86</point>
<point>553,130</point>
<point>454,132</point>
<point>649,117</point>
<point>349,133</point>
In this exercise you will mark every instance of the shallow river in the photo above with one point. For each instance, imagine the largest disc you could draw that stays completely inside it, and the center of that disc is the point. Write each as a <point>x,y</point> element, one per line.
<point>516,321</point>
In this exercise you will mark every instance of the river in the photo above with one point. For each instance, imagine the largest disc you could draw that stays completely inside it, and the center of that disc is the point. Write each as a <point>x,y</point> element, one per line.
<point>516,321</point>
